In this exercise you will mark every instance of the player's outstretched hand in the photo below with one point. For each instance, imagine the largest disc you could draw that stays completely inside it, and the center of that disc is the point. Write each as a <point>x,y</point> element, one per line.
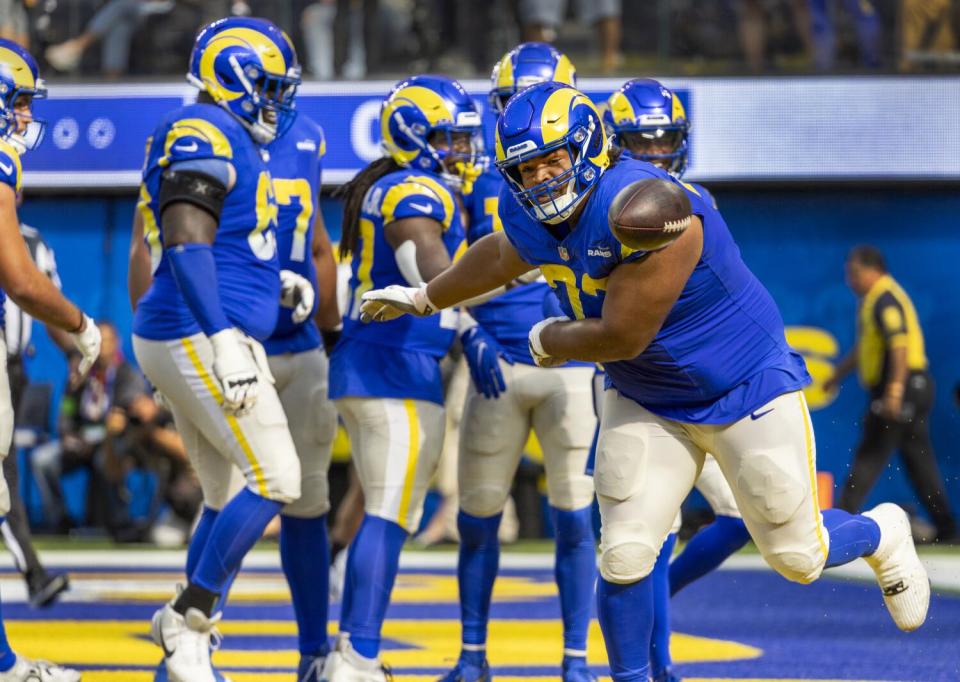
<point>540,356</point>
<point>234,366</point>
<point>87,341</point>
<point>382,305</point>
<point>296,292</point>
<point>483,355</point>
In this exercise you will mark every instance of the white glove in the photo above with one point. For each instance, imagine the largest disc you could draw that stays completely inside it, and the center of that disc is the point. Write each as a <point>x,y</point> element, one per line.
<point>296,292</point>
<point>87,341</point>
<point>541,357</point>
<point>529,277</point>
<point>381,305</point>
<point>234,366</point>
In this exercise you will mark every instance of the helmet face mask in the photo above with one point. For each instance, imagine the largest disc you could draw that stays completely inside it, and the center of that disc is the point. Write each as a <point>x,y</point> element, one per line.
<point>665,147</point>
<point>249,67</point>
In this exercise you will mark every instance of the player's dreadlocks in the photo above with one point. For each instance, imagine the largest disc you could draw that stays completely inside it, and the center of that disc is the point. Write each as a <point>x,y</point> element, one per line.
<point>353,194</point>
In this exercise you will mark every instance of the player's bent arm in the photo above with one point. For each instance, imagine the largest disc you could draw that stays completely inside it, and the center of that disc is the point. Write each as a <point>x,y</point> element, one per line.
<point>29,288</point>
<point>639,297</point>
<point>139,276</point>
<point>328,312</point>
<point>489,263</point>
<point>418,247</point>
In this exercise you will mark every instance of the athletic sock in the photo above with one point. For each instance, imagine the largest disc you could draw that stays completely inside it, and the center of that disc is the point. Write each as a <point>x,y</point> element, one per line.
<point>660,638</point>
<point>7,658</point>
<point>477,567</point>
<point>625,613</point>
<point>303,553</point>
<point>371,571</point>
<point>236,530</point>
<point>575,571</point>
<point>707,549</point>
<point>851,536</point>
<point>199,538</point>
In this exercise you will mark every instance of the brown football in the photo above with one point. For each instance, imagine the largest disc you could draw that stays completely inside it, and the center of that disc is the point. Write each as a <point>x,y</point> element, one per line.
<point>649,214</point>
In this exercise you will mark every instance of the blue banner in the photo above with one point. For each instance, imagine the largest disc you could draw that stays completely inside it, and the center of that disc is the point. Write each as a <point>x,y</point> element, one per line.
<point>743,129</point>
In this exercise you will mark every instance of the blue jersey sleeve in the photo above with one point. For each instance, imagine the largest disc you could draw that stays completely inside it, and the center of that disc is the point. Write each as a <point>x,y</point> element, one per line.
<point>193,139</point>
<point>414,198</point>
<point>11,173</point>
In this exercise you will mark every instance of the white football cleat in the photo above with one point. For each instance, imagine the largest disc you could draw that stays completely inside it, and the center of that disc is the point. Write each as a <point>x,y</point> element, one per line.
<point>344,664</point>
<point>25,670</point>
<point>902,577</point>
<point>186,643</point>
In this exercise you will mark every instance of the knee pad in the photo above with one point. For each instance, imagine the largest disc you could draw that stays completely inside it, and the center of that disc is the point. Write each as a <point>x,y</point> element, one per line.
<point>627,562</point>
<point>798,567</point>
<point>483,501</point>
<point>284,485</point>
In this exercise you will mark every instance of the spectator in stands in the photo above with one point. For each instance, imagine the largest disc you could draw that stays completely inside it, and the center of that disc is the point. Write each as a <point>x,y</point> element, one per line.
<point>14,22</point>
<point>892,363</point>
<point>928,33</point>
<point>43,588</point>
<point>754,19</point>
<point>539,20</point>
<point>866,22</point>
<point>83,429</point>
<point>113,25</point>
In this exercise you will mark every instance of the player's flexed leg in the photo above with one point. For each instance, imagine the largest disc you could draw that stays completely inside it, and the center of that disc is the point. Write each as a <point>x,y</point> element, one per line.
<point>208,213</point>
<point>510,395</point>
<point>33,291</point>
<point>402,224</point>
<point>694,348</point>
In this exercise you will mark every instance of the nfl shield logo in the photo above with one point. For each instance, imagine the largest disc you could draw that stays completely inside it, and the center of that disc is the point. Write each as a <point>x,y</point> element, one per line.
<point>563,252</point>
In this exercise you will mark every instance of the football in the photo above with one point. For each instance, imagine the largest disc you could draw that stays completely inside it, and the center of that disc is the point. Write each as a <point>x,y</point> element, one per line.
<point>649,214</point>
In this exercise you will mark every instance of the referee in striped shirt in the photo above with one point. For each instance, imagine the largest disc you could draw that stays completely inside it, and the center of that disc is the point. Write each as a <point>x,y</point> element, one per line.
<point>892,364</point>
<point>43,587</point>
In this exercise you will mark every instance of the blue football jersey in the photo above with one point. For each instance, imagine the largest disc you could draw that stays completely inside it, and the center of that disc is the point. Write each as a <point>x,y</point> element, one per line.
<point>11,173</point>
<point>510,316</point>
<point>294,165</point>
<point>721,352</point>
<point>399,358</point>
<point>245,247</point>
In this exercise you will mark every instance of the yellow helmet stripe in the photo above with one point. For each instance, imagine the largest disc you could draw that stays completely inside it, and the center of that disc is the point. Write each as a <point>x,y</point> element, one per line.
<point>565,72</point>
<point>621,109</point>
<point>555,117</point>
<point>677,113</point>
<point>196,127</point>
<point>20,70</point>
<point>269,53</point>
<point>505,72</point>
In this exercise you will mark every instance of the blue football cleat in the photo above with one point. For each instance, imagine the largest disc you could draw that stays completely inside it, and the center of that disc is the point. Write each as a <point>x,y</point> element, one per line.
<point>467,672</point>
<point>667,676</point>
<point>577,670</point>
<point>160,675</point>
<point>310,668</point>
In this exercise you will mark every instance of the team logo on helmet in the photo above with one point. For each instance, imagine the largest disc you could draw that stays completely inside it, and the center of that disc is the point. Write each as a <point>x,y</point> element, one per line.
<point>430,123</point>
<point>249,67</point>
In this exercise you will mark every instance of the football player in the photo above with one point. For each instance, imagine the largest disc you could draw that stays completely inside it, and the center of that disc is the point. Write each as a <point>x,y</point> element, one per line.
<point>696,362</point>
<point>208,215</point>
<point>510,394</point>
<point>402,224</point>
<point>649,122</point>
<point>300,368</point>
<point>31,290</point>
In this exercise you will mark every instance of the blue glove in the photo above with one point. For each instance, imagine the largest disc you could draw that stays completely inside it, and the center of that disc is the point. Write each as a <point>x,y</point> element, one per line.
<point>483,353</point>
